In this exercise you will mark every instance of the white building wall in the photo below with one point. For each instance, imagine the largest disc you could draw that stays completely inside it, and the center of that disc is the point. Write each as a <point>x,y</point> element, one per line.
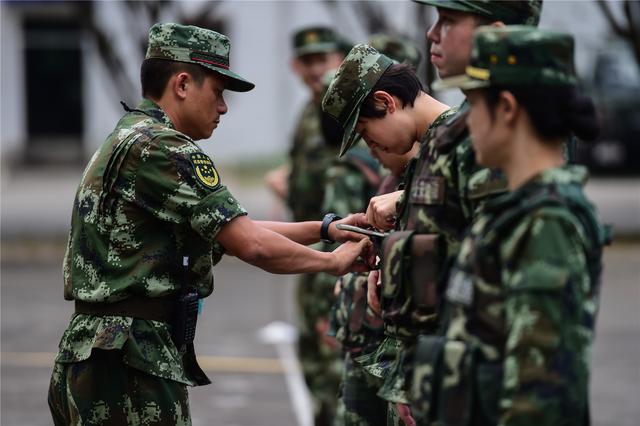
<point>12,105</point>
<point>259,122</point>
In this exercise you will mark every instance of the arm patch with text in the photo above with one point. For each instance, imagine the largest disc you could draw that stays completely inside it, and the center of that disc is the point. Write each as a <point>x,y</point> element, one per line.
<point>205,172</point>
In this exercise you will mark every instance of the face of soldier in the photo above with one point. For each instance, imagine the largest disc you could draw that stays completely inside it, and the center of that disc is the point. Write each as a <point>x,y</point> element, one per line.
<point>203,107</point>
<point>450,39</point>
<point>388,134</point>
<point>312,67</point>
<point>491,133</point>
<point>393,162</point>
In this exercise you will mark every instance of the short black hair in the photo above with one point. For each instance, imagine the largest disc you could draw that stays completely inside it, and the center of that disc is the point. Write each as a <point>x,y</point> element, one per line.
<point>555,112</point>
<point>155,74</point>
<point>399,80</point>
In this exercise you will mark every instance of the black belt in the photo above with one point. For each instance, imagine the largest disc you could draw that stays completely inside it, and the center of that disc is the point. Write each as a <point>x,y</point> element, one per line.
<point>156,309</point>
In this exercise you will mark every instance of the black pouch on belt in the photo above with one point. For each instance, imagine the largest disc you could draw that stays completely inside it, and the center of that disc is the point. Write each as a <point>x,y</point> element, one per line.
<point>183,327</point>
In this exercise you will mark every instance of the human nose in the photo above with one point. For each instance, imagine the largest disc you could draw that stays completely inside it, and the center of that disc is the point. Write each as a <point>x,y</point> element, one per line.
<point>433,33</point>
<point>222,106</point>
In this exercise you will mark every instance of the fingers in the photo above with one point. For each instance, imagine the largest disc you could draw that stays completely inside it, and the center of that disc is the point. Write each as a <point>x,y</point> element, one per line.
<point>355,219</point>
<point>381,212</point>
<point>404,412</point>
<point>338,287</point>
<point>372,291</point>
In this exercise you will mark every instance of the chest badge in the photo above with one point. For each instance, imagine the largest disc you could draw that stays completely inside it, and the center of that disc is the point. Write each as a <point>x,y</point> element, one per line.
<point>206,173</point>
<point>428,190</point>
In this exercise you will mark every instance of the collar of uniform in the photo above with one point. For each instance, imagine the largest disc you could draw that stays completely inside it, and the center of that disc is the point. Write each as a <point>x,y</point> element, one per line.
<point>563,175</point>
<point>154,111</point>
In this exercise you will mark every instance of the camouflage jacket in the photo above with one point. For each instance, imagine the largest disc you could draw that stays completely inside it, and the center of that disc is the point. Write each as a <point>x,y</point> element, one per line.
<point>350,182</point>
<point>443,188</point>
<point>520,313</point>
<point>148,197</point>
<point>309,157</point>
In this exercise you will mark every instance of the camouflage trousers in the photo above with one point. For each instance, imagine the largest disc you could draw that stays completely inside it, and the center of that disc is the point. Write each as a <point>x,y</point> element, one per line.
<point>362,407</point>
<point>102,390</point>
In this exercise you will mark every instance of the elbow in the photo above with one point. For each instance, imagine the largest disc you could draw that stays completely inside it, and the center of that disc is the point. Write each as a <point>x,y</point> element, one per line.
<point>253,253</point>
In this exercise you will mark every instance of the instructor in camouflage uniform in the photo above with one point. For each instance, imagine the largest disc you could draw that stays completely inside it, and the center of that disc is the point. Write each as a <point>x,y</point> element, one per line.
<point>522,299</point>
<point>150,220</point>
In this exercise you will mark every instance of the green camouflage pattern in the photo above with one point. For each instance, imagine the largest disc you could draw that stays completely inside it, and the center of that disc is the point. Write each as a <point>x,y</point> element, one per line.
<point>310,157</point>
<point>517,56</point>
<point>148,197</point>
<point>357,75</point>
<point>347,189</point>
<point>511,12</point>
<point>399,49</point>
<point>362,406</point>
<point>195,45</point>
<point>102,391</point>
<point>520,314</point>
<point>443,189</point>
<point>315,39</point>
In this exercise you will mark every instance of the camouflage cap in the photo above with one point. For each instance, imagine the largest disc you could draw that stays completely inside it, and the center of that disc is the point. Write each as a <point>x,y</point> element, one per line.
<point>358,73</point>
<point>186,43</point>
<point>316,40</point>
<point>397,48</point>
<point>511,12</point>
<point>516,56</point>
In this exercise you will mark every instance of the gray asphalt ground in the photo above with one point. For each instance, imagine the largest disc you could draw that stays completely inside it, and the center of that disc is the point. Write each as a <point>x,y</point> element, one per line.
<point>249,387</point>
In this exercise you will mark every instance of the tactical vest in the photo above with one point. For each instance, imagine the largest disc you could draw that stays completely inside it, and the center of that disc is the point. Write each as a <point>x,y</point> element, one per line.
<point>474,399</point>
<point>415,254</point>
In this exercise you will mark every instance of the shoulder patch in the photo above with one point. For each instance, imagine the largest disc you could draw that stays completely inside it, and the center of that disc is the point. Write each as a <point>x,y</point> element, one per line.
<point>205,171</point>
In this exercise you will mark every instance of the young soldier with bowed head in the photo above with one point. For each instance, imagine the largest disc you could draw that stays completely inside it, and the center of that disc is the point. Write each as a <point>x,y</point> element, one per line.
<point>383,102</point>
<point>150,220</point>
<point>522,298</point>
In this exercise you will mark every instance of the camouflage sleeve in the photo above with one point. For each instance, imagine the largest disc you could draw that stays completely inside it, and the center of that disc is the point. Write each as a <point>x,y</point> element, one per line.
<point>177,182</point>
<point>549,319</point>
<point>345,191</point>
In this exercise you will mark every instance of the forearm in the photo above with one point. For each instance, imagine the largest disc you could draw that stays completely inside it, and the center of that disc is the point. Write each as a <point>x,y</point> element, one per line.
<point>304,233</point>
<point>277,254</point>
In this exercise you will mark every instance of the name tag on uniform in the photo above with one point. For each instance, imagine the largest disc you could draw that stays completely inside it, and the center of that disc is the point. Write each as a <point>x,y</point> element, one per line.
<point>460,288</point>
<point>428,190</point>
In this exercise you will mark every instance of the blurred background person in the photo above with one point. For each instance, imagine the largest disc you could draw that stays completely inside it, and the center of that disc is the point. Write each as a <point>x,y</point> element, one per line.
<point>301,183</point>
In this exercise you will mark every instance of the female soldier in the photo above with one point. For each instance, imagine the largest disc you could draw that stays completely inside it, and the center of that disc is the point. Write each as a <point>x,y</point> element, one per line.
<point>522,298</point>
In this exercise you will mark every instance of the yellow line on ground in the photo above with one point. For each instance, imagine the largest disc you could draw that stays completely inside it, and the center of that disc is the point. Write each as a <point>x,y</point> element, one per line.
<point>208,363</point>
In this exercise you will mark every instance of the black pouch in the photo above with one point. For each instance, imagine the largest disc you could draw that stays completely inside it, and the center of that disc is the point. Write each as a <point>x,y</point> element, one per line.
<point>427,373</point>
<point>183,328</point>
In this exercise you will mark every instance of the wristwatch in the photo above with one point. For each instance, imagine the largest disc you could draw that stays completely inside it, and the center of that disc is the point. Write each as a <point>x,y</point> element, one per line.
<point>328,219</point>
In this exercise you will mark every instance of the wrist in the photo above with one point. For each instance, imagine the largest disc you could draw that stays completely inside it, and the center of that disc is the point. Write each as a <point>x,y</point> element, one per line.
<point>328,219</point>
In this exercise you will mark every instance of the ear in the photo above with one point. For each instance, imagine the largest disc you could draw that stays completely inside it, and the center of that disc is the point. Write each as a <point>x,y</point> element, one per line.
<point>180,84</point>
<point>385,101</point>
<point>508,107</point>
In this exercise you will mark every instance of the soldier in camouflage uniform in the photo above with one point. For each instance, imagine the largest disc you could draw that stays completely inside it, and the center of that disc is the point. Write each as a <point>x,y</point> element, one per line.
<point>150,220</point>
<point>443,188</point>
<point>522,298</point>
<point>356,326</point>
<point>385,103</point>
